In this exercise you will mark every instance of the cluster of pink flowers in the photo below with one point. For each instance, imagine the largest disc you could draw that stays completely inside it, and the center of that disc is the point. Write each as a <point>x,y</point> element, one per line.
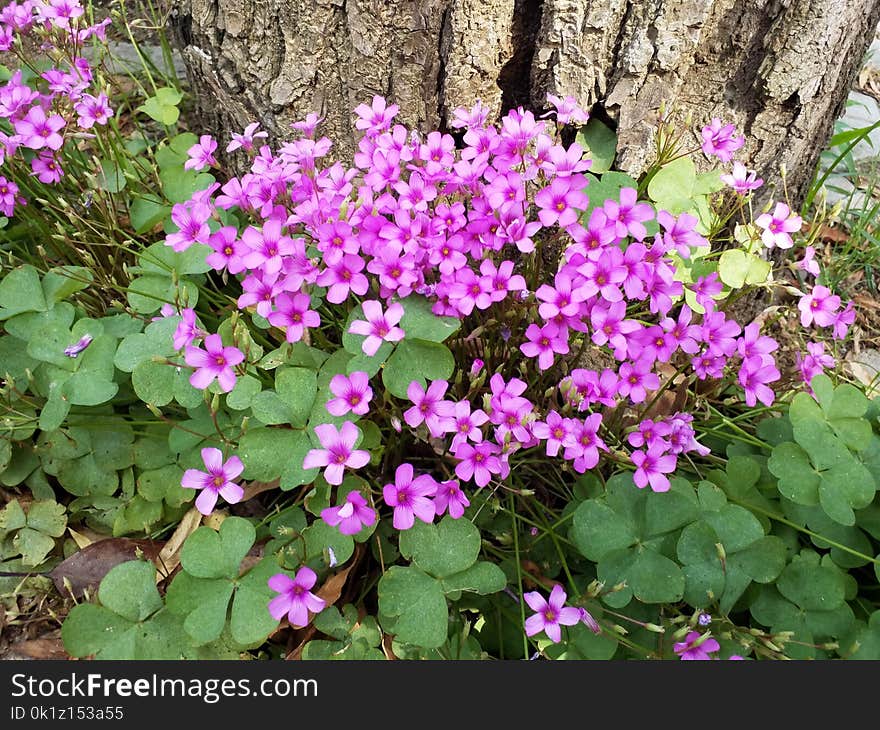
<point>430,216</point>
<point>61,104</point>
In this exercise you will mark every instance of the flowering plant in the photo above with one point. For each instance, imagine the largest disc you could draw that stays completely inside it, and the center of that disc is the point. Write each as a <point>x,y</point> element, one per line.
<point>473,394</point>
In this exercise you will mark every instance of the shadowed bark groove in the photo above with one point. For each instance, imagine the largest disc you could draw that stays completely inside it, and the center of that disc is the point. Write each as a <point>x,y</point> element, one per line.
<point>778,69</point>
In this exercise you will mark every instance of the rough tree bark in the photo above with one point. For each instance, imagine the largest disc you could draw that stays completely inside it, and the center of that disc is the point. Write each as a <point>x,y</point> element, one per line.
<point>779,69</point>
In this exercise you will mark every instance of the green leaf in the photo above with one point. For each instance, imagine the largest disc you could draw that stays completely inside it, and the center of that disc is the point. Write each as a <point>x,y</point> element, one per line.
<point>811,586</point>
<point>178,185</point>
<point>267,453</point>
<point>47,517</point>
<point>211,554</point>
<point>33,545</point>
<point>20,291</point>
<point>412,607</point>
<point>798,481</point>
<point>203,601</point>
<point>153,382</point>
<point>87,388</point>
<point>250,621</point>
<point>667,511</point>
<point>297,387</point>
<point>601,142</point>
<point>242,395</point>
<point>147,212</point>
<point>443,549</point>
<point>319,536</point>
<point>482,577</point>
<point>673,185</point>
<point>12,516</point>
<point>735,526</point>
<point>419,361</point>
<point>60,282</point>
<point>738,268</point>
<point>129,590</point>
<point>162,259</point>
<point>156,339</point>
<point>270,408</point>
<point>148,293</point>
<point>419,322</point>
<point>54,410</point>
<point>647,575</point>
<point>162,107</point>
<point>701,563</point>
<point>90,629</point>
<point>844,487</point>
<point>597,530</point>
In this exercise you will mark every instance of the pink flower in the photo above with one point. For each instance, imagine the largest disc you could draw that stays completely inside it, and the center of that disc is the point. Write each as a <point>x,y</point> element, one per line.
<point>375,118</point>
<point>778,226</point>
<point>294,314</point>
<point>37,131</point>
<point>46,168</point>
<point>245,140</point>
<point>819,307</point>
<point>429,407</point>
<point>550,614</point>
<point>201,154</point>
<point>754,374</point>
<point>808,263</point>
<point>742,180</point>
<point>351,516</point>
<point>628,215</point>
<point>217,481</point>
<point>9,197</point>
<point>343,277</point>
<point>720,141</point>
<point>813,363</point>
<point>568,110</point>
<point>378,327</point>
<point>93,110</point>
<point>555,430</point>
<point>338,451</point>
<point>187,330</point>
<point>353,393</point>
<point>295,599</point>
<point>696,647</point>
<point>410,497</point>
<point>562,201</point>
<point>843,320</point>
<point>450,497</point>
<point>544,342</point>
<point>653,465</point>
<point>192,224</point>
<point>79,346</point>
<point>215,361</point>
<point>478,462</point>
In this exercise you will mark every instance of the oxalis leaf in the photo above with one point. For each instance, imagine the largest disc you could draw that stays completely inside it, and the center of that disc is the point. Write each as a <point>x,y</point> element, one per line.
<point>443,549</point>
<point>412,607</point>
<point>419,361</point>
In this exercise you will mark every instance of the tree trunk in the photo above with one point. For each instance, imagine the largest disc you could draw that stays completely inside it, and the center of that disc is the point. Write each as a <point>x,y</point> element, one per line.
<point>779,69</point>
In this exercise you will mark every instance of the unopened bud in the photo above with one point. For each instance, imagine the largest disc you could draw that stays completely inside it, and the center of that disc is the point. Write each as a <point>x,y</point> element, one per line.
<point>155,411</point>
<point>655,628</point>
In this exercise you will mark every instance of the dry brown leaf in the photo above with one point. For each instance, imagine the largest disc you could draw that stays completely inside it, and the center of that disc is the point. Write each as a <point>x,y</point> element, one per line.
<point>386,647</point>
<point>85,569</point>
<point>332,588</point>
<point>255,488</point>
<point>43,648</point>
<point>169,557</point>
<point>82,541</point>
